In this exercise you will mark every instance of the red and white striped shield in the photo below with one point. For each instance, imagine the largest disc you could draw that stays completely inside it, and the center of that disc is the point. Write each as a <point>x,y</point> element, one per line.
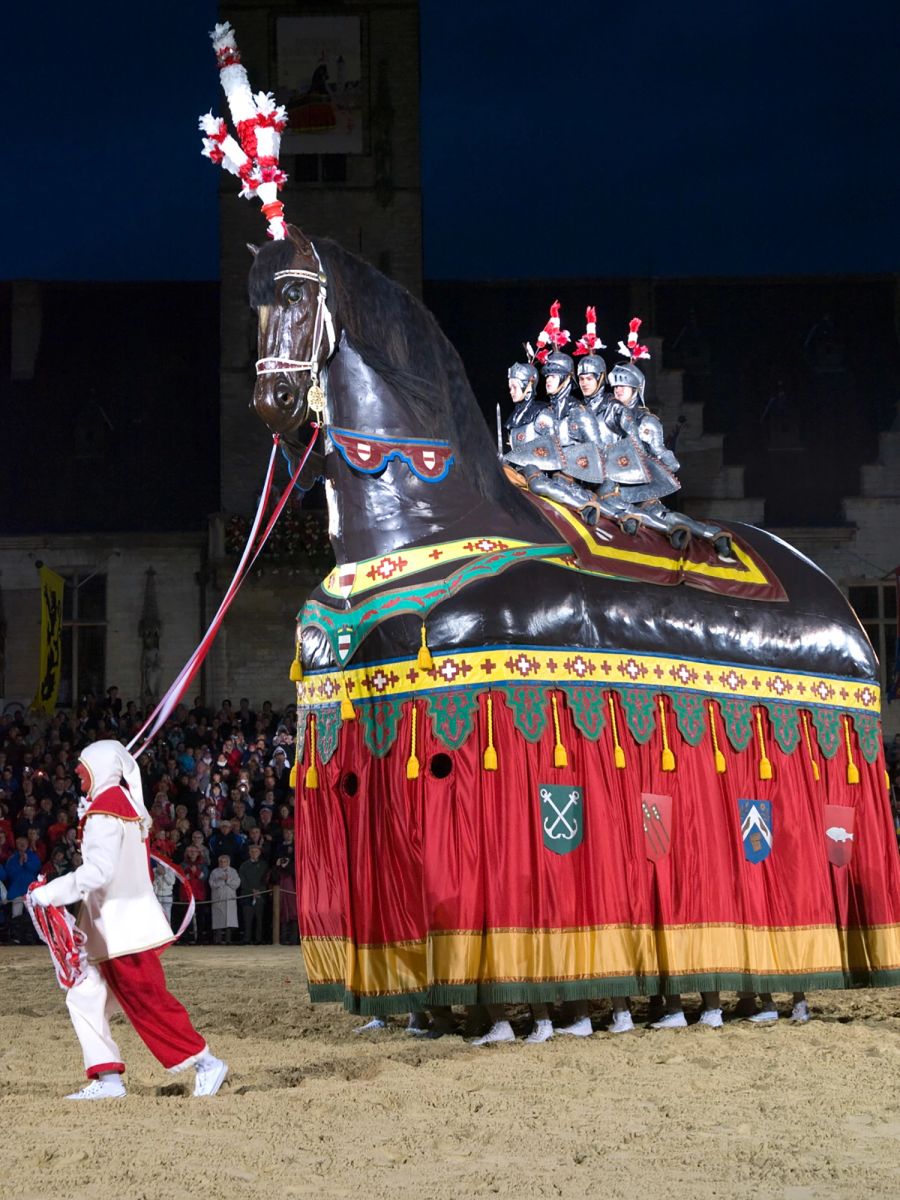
<point>656,814</point>
<point>346,577</point>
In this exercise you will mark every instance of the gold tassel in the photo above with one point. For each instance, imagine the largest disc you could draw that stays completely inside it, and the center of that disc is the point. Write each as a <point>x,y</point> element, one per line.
<point>619,754</point>
<point>560,757</point>
<point>490,754</point>
<point>808,739</point>
<point>424,659</point>
<point>312,774</point>
<point>852,768</point>
<point>412,763</point>
<point>721,765</point>
<point>296,671</point>
<point>668,758</point>
<point>887,779</point>
<point>348,712</point>
<point>765,766</point>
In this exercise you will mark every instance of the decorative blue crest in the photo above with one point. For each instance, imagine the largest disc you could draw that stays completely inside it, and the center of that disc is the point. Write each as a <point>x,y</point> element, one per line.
<point>756,828</point>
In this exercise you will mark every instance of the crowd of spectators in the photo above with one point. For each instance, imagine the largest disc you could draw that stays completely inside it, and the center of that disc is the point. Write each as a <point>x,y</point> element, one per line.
<point>216,782</point>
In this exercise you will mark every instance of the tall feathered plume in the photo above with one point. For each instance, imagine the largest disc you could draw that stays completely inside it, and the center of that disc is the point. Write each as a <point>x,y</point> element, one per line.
<point>258,122</point>
<point>589,341</point>
<point>633,349</point>
<point>551,335</point>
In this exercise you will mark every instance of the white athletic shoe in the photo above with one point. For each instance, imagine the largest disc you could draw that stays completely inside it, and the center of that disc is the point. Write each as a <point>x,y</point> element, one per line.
<point>766,1017</point>
<point>621,1022</point>
<point>580,1028</point>
<point>500,1031</point>
<point>800,1012</point>
<point>100,1089</point>
<point>372,1026</point>
<point>542,1032</point>
<point>210,1076</point>
<point>675,1020</point>
<point>711,1017</point>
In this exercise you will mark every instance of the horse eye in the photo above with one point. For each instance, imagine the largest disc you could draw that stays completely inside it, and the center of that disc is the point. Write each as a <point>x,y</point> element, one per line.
<point>292,293</point>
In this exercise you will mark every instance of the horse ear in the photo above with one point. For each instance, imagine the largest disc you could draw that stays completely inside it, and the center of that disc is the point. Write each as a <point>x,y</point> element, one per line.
<point>300,240</point>
<point>254,250</point>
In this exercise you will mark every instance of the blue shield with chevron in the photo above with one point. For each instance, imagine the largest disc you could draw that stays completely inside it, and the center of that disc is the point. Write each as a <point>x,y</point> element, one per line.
<point>756,828</point>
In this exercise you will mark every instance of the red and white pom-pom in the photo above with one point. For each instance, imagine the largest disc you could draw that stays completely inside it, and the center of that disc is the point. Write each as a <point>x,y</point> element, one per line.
<point>633,350</point>
<point>551,334</point>
<point>589,342</point>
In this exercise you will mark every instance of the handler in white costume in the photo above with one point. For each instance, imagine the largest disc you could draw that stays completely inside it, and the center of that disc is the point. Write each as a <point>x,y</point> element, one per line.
<point>126,931</point>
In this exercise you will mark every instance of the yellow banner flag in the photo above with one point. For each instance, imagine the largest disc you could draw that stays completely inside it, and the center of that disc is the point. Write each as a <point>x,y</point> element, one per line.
<point>51,640</point>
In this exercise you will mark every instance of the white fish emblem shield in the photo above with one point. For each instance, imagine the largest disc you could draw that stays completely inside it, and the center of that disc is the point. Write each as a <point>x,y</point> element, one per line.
<point>840,833</point>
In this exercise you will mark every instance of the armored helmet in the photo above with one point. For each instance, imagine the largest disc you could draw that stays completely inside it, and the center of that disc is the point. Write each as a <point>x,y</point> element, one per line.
<point>525,373</point>
<point>557,363</point>
<point>591,364</point>
<point>627,375</point>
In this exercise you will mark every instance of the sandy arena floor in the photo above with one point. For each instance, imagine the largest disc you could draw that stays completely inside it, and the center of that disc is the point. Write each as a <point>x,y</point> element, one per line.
<point>311,1110</point>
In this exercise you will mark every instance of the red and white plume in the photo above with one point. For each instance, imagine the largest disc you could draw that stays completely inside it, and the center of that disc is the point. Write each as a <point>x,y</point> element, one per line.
<point>589,341</point>
<point>633,350</point>
<point>551,335</point>
<point>258,121</point>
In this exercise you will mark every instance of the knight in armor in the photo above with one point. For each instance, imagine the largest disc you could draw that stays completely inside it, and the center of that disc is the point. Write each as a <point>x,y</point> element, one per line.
<point>559,385</point>
<point>592,380</point>
<point>536,444</point>
<point>542,459</point>
<point>629,415</point>
<point>523,382</point>
<point>591,367</point>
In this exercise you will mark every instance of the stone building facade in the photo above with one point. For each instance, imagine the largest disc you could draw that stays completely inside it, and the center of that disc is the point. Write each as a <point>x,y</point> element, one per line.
<point>368,198</point>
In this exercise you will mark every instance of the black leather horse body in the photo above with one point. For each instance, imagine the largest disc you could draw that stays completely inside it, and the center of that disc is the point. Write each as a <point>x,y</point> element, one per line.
<point>393,374</point>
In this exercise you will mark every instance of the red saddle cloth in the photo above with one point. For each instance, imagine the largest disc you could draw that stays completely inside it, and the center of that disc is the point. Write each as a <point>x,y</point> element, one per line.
<point>649,557</point>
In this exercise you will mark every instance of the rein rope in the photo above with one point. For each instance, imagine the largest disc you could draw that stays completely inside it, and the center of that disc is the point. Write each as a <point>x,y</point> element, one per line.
<point>252,551</point>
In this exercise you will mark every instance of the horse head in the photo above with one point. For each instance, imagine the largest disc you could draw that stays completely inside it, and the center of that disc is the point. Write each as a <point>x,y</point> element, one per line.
<point>297,335</point>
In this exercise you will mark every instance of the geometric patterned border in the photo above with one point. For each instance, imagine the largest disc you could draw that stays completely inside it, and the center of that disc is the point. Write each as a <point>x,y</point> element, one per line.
<point>528,665</point>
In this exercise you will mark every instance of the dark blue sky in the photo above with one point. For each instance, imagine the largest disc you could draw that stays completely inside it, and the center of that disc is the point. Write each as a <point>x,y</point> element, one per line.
<point>728,138</point>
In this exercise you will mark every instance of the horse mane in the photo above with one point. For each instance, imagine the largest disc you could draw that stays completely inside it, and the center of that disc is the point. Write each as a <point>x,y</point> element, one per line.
<point>399,339</point>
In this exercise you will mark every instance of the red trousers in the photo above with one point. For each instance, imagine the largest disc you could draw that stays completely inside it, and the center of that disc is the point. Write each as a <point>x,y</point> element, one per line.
<point>137,983</point>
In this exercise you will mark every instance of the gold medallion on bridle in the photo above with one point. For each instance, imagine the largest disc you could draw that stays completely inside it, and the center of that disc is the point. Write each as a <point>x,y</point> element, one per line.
<point>315,399</point>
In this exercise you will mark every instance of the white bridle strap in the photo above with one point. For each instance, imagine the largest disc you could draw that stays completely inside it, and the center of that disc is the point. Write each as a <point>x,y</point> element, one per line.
<point>323,324</point>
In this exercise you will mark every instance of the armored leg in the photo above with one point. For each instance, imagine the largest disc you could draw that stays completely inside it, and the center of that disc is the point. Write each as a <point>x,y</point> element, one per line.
<point>554,488</point>
<point>694,528</point>
<point>656,516</point>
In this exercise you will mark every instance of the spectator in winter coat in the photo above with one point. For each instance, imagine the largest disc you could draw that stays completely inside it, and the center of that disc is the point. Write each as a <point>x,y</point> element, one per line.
<point>224,882</point>
<point>19,871</point>
<point>254,875</point>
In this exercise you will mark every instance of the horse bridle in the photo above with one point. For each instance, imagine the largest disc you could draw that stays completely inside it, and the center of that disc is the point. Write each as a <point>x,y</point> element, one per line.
<point>323,325</point>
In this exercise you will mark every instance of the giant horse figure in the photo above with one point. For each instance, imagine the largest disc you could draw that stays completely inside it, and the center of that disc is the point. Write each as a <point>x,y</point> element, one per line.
<point>539,760</point>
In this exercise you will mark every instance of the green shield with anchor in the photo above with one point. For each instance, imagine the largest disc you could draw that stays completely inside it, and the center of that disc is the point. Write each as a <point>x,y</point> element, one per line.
<point>562,816</point>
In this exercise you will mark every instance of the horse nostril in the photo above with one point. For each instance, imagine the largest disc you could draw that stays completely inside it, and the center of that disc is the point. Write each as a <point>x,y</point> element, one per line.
<point>284,397</point>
